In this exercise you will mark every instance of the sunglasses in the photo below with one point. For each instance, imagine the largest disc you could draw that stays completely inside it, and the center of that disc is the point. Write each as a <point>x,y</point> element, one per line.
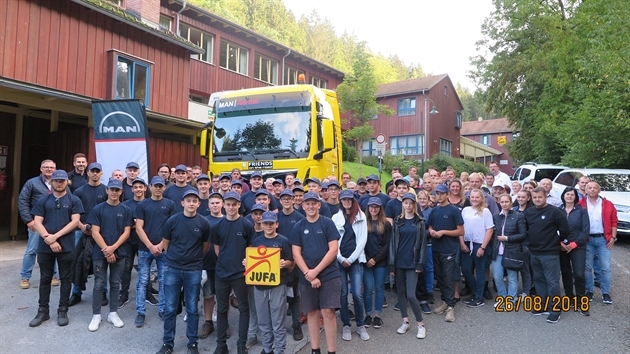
<point>57,203</point>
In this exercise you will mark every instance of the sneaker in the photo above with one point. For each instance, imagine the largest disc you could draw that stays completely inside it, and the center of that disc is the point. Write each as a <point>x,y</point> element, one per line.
<point>251,341</point>
<point>151,300</point>
<point>54,281</point>
<point>25,284</point>
<point>298,335</point>
<point>554,317</point>
<point>153,291</point>
<point>422,332</point>
<point>368,321</point>
<point>166,349</point>
<point>403,328</point>
<point>584,313</point>
<point>363,333</point>
<point>351,315</point>
<point>346,334</point>
<point>42,315</point>
<point>377,322</point>
<point>538,313</point>
<point>74,299</point>
<point>206,329</point>
<point>440,309</point>
<point>185,317</point>
<point>450,315</point>
<point>385,304</point>
<point>115,320</point>
<point>104,301</point>
<point>62,317</point>
<point>475,303</point>
<point>96,321</point>
<point>193,349</point>
<point>589,295</point>
<point>425,309</point>
<point>397,307</point>
<point>607,299</point>
<point>214,314</point>
<point>122,300</point>
<point>221,350</point>
<point>139,322</point>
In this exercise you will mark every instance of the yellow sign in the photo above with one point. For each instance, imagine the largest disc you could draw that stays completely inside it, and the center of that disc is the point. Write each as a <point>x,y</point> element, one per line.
<point>262,266</point>
<point>501,140</point>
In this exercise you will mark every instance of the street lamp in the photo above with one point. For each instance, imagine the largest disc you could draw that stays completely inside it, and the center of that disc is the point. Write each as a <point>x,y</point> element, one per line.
<point>434,111</point>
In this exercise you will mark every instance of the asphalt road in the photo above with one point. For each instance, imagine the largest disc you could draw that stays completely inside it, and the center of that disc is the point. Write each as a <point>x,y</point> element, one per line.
<point>474,330</point>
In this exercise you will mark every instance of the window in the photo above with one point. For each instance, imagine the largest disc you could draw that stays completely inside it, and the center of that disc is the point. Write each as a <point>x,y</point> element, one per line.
<point>116,2</point>
<point>315,81</point>
<point>369,148</point>
<point>458,120</point>
<point>445,147</point>
<point>445,90</point>
<point>291,75</point>
<point>204,40</point>
<point>407,107</point>
<point>265,69</point>
<point>406,145</point>
<point>485,139</point>
<point>234,58</point>
<point>133,79</point>
<point>197,98</point>
<point>165,23</point>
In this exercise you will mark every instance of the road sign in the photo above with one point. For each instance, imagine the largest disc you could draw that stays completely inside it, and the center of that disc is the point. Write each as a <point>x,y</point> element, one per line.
<point>381,147</point>
<point>380,139</point>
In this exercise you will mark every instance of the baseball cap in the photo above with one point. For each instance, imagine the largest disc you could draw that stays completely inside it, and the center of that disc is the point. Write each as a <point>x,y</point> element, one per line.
<point>311,195</point>
<point>498,183</point>
<point>286,192</point>
<point>297,188</point>
<point>60,175</point>
<point>409,196</point>
<point>297,181</point>
<point>95,165</point>
<point>346,194</point>
<point>401,181</point>
<point>441,188</point>
<point>138,180</point>
<point>203,176</point>
<point>259,207</point>
<point>133,165</point>
<point>334,183</point>
<point>375,201</point>
<point>232,195</point>
<point>224,176</point>
<point>113,183</point>
<point>269,216</point>
<point>324,185</point>
<point>256,174</point>
<point>158,180</point>
<point>312,179</point>
<point>180,168</point>
<point>215,194</point>
<point>190,192</point>
<point>278,181</point>
<point>262,191</point>
<point>236,182</point>
<point>373,177</point>
<point>361,180</point>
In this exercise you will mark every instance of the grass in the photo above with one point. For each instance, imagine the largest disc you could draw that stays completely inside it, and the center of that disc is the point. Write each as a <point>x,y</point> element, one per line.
<point>353,169</point>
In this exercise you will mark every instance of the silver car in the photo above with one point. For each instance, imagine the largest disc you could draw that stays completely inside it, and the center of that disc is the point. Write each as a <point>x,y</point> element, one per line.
<point>615,187</point>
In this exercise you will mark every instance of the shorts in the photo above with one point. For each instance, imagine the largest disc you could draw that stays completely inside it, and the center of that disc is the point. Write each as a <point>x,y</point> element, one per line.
<point>208,287</point>
<point>327,296</point>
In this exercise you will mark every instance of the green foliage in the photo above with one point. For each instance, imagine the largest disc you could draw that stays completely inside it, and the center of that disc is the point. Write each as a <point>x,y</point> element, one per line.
<point>254,136</point>
<point>348,152</point>
<point>459,165</point>
<point>473,104</point>
<point>354,168</point>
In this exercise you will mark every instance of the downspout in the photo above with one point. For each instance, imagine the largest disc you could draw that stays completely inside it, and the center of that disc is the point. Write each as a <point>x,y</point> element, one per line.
<point>289,52</point>
<point>177,18</point>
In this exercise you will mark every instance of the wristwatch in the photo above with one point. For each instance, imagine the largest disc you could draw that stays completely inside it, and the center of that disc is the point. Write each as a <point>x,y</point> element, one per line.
<point>614,239</point>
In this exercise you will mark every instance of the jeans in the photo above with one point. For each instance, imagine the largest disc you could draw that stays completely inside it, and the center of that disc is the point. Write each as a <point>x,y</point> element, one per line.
<point>271,307</point>
<point>355,272</point>
<point>374,281</point>
<point>222,297</point>
<point>144,265</point>
<point>597,246</point>
<point>597,269</point>
<point>497,273</point>
<point>406,281</point>
<point>46,263</point>
<point>546,273</point>
<point>174,280</point>
<point>572,267</point>
<point>477,283</point>
<point>100,278</point>
<point>131,251</point>
<point>429,270</point>
<point>444,269</point>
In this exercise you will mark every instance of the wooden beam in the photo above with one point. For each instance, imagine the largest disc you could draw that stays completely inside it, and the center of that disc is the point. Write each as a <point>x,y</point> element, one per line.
<point>54,121</point>
<point>36,101</point>
<point>17,161</point>
<point>171,129</point>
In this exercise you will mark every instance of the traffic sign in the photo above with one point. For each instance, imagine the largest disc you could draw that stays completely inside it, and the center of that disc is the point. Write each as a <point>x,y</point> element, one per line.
<point>380,139</point>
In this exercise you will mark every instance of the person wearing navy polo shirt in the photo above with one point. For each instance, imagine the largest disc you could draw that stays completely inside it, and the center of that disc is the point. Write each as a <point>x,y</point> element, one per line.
<point>175,191</point>
<point>55,216</point>
<point>237,186</point>
<point>334,204</point>
<point>315,186</point>
<point>315,242</point>
<point>394,206</point>
<point>111,224</point>
<point>185,238</point>
<point>78,176</point>
<point>225,182</point>
<point>278,186</point>
<point>150,215</point>
<point>132,171</point>
<point>231,236</point>
<point>203,187</point>
<point>374,190</point>
<point>445,226</point>
<point>298,198</point>
<point>248,199</point>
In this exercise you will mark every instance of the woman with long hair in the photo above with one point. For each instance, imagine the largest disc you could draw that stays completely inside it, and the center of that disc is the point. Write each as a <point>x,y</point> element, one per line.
<point>523,201</point>
<point>530,185</point>
<point>407,255</point>
<point>352,226</point>
<point>375,270</point>
<point>573,248</point>
<point>478,232</point>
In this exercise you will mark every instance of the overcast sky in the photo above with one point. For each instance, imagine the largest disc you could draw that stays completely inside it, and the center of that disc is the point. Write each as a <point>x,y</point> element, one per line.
<point>438,34</point>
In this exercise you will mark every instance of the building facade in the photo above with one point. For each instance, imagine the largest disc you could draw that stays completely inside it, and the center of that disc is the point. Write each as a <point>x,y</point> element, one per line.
<point>496,134</point>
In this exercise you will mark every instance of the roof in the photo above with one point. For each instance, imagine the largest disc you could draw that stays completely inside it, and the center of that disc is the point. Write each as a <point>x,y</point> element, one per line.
<point>408,86</point>
<point>488,126</point>
<point>471,148</point>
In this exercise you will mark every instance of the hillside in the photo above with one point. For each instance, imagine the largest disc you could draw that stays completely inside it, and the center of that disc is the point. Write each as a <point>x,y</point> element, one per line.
<point>353,169</point>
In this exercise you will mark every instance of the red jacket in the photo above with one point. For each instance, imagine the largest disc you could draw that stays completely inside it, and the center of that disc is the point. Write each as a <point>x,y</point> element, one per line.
<point>609,216</point>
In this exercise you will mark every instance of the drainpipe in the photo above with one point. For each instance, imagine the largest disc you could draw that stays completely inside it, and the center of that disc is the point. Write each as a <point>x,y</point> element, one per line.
<point>289,52</point>
<point>177,18</point>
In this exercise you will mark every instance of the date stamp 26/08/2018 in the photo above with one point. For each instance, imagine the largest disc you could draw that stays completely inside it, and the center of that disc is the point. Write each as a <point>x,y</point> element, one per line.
<point>537,303</point>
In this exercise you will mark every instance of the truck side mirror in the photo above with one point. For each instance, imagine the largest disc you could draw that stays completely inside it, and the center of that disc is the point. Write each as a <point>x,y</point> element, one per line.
<point>204,143</point>
<point>328,134</point>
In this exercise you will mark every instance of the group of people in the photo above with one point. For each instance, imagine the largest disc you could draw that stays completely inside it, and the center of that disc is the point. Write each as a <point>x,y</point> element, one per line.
<point>337,239</point>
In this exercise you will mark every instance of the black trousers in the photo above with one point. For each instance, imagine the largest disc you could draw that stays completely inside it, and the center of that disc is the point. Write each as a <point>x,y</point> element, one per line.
<point>444,264</point>
<point>572,267</point>
<point>46,263</point>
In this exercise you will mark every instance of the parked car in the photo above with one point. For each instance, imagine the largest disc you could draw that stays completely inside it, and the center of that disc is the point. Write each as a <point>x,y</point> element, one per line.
<point>532,170</point>
<point>615,186</point>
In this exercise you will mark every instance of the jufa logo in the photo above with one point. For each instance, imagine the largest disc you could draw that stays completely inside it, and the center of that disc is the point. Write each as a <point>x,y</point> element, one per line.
<point>120,122</point>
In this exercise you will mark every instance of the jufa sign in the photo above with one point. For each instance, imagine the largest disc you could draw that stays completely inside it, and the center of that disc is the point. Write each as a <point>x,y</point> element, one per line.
<point>262,266</point>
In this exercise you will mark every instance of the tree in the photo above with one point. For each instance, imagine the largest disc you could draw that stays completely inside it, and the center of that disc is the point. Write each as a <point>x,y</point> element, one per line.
<point>357,95</point>
<point>259,135</point>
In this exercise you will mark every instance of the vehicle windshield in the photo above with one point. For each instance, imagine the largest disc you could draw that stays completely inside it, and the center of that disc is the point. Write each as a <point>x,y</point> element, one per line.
<point>612,182</point>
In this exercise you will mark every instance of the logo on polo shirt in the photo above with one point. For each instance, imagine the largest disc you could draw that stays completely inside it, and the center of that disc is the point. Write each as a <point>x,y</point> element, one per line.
<point>543,217</point>
<point>196,229</point>
<point>306,232</point>
<point>119,215</point>
<point>320,231</point>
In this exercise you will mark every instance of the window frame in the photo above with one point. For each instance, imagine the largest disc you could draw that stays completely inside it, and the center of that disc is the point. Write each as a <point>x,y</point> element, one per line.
<point>258,59</point>
<point>132,84</point>
<point>444,151</point>
<point>395,148</point>
<point>288,75</point>
<point>371,147</point>
<point>208,55</point>
<point>317,81</point>
<point>486,140</point>
<point>406,111</point>
<point>170,23</point>
<point>238,55</point>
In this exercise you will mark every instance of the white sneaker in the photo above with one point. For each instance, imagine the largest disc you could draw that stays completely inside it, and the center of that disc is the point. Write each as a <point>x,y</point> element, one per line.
<point>185,317</point>
<point>115,320</point>
<point>422,333</point>
<point>403,328</point>
<point>346,334</point>
<point>214,313</point>
<point>496,304</point>
<point>96,321</point>
<point>363,333</point>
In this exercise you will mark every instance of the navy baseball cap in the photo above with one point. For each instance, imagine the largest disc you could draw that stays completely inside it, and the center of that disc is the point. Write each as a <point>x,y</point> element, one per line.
<point>236,182</point>
<point>158,180</point>
<point>138,180</point>
<point>259,207</point>
<point>286,192</point>
<point>232,195</point>
<point>375,201</point>
<point>297,181</point>
<point>203,176</point>
<point>373,177</point>
<point>181,168</point>
<point>362,180</point>
<point>441,188</point>
<point>133,165</point>
<point>313,179</point>
<point>346,194</point>
<point>113,183</point>
<point>409,196</point>
<point>95,166</point>
<point>324,185</point>
<point>334,183</point>
<point>278,181</point>
<point>297,188</point>
<point>269,216</point>
<point>401,181</point>
<point>262,191</point>
<point>224,176</point>
<point>311,195</point>
<point>190,192</point>
<point>256,174</point>
<point>61,175</point>
<point>215,194</point>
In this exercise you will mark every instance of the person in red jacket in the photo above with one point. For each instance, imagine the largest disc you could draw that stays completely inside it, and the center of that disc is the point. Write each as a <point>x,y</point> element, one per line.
<point>602,236</point>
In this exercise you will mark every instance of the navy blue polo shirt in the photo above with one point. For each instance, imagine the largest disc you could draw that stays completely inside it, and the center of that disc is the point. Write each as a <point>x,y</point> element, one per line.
<point>334,208</point>
<point>132,204</point>
<point>324,209</point>
<point>283,244</point>
<point>393,208</point>
<point>204,207</point>
<point>77,180</point>
<point>232,237</point>
<point>363,201</point>
<point>404,253</point>
<point>313,238</point>
<point>176,193</point>
<point>249,199</point>
<point>445,218</point>
<point>287,222</point>
<point>112,219</point>
<point>210,258</point>
<point>56,218</point>
<point>154,214</point>
<point>187,236</point>
<point>90,197</point>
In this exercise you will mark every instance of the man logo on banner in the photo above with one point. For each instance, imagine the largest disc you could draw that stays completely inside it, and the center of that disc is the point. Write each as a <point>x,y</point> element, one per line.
<point>262,266</point>
<point>120,135</point>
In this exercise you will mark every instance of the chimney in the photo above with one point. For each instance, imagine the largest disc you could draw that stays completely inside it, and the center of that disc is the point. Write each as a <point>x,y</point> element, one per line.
<point>147,10</point>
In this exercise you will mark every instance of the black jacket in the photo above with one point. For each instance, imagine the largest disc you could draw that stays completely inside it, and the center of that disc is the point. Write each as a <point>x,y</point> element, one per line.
<point>82,264</point>
<point>515,229</point>
<point>419,246</point>
<point>579,225</point>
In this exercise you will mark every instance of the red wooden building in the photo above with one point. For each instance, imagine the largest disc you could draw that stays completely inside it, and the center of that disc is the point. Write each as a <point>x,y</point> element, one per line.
<point>58,56</point>
<point>494,133</point>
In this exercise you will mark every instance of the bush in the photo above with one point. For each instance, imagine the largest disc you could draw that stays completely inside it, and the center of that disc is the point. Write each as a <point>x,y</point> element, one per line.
<point>348,151</point>
<point>370,161</point>
<point>460,165</point>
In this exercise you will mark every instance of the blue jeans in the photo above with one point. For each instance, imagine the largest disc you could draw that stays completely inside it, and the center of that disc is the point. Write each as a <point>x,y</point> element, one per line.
<point>174,280</point>
<point>597,246</point>
<point>144,270</point>
<point>497,273</point>
<point>355,271</point>
<point>100,279</point>
<point>30,255</point>
<point>429,272</point>
<point>467,260</point>
<point>546,275</point>
<point>374,281</point>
